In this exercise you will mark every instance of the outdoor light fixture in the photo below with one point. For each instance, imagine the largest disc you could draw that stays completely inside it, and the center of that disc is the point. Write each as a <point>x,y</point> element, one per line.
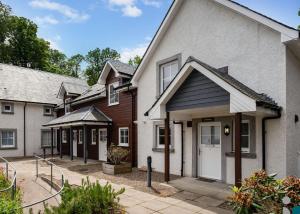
<point>226,130</point>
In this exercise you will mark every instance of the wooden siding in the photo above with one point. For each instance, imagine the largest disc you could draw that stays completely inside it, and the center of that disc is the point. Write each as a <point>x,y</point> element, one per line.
<point>197,91</point>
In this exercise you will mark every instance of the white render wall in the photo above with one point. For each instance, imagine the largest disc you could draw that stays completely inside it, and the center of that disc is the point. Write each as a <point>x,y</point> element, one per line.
<point>34,120</point>
<point>219,37</point>
<point>293,108</point>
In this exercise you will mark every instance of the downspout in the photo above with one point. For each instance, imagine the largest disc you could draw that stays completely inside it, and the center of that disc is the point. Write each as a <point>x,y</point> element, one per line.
<point>133,147</point>
<point>24,119</point>
<point>182,147</point>
<point>264,136</point>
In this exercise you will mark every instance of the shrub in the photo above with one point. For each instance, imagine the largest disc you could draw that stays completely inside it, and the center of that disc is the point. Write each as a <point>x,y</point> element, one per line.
<point>263,193</point>
<point>7,204</point>
<point>116,154</point>
<point>89,198</point>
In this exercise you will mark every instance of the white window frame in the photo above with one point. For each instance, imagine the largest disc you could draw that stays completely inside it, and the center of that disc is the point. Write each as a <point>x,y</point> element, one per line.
<point>158,127</point>
<point>50,111</point>
<point>116,93</point>
<point>80,137</point>
<point>11,108</point>
<point>68,105</point>
<point>94,141</point>
<point>54,141</point>
<point>14,139</point>
<point>100,135</point>
<point>120,131</point>
<point>64,136</point>
<point>247,150</point>
<point>162,86</point>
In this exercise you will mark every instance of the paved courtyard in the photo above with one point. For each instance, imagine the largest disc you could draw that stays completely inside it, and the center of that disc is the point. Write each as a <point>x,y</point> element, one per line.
<point>208,198</point>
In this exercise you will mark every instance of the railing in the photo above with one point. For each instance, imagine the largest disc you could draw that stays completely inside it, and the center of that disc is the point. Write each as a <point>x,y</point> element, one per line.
<point>13,182</point>
<point>37,160</point>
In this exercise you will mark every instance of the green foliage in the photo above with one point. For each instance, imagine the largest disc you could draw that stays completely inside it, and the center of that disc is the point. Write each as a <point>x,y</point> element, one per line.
<point>96,60</point>
<point>264,194</point>
<point>7,205</point>
<point>135,61</point>
<point>299,15</point>
<point>89,198</point>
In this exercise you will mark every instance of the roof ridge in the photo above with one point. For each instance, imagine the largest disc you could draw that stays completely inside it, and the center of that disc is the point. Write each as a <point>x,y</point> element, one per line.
<point>41,71</point>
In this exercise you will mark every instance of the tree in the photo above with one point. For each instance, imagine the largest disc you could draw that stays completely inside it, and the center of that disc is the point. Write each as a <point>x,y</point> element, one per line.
<point>57,62</point>
<point>5,12</point>
<point>135,61</point>
<point>74,64</point>
<point>96,60</point>
<point>299,15</point>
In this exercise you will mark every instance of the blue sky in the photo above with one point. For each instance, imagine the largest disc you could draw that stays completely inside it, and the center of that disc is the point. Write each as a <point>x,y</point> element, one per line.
<point>77,26</point>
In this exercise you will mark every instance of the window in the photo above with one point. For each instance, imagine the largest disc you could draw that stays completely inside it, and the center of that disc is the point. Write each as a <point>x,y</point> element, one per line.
<point>160,136</point>
<point>75,136</point>
<point>80,137</point>
<point>48,111</point>
<point>167,72</point>
<point>94,137</point>
<point>67,105</point>
<point>8,138</point>
<point>46,138</point>
<point>64,136</point>
<point>113,95</point>
<point>245,140</point>
<point>7,108</point>
<point>123,136</point>
<point>102,135</point>
<point>210,135</point>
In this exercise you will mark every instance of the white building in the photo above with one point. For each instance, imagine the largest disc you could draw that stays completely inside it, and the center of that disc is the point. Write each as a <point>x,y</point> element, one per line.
<point>211,62</point>
<point>27,101</point>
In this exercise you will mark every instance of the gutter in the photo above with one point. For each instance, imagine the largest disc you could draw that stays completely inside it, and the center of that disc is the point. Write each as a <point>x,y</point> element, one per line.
<point>182,147</point>
<point>24,118</point>
<point>264,136</point>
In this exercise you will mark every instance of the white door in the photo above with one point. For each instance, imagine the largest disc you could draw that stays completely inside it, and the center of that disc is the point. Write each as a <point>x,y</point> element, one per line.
<point>103,144</point>
<point>209,150</point>
<point>75,143</point>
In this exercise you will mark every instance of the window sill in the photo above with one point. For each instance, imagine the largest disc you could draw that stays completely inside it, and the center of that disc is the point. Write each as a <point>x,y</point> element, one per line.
<point>113,104</point>
<point>3,112</point>
<point>47,147</point>
<point>244,155</point>
<point>8,148</point>
<point>125,146</point>
<point>162,150</point>
<point>48,115</point>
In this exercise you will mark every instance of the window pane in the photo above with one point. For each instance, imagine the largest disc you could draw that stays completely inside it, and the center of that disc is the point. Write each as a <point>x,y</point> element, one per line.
<point>46,138</point>
<point>174,68</point>
<point>215,138</point>
<point>245,142</point>
<point>245,128</point>
<point>7,138</point>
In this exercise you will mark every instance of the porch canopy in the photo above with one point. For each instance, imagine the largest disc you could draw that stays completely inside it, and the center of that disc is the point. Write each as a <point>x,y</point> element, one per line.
<point>85,117</point>
<point>89,115</point>
<point>203,88</point>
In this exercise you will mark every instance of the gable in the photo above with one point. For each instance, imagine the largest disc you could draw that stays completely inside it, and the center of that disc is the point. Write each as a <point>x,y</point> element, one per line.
<point>198,91</point>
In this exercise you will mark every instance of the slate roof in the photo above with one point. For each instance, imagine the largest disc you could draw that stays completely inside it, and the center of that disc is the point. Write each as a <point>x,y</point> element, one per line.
<point>24,84</point>
<point>75,88</point>
<point>260,98</point>
<point>122,67</point>
<point>95,90</point>
<point>85,114</point>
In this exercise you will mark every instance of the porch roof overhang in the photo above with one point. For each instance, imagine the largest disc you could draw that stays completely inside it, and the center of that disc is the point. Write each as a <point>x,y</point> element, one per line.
<point>89,115</point>
<point>242,98</point>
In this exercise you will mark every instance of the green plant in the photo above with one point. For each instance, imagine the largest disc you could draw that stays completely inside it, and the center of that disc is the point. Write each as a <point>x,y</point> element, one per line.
<point>263,193</point>
<point>116,154</point>
<point>89,198</point>
<point>7,204</point>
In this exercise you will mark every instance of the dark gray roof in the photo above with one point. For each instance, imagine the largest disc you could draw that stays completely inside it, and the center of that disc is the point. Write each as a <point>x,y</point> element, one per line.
<point>75,88</point>
<point>29,85</point>
<point>85,114</point>
<point>260,98</point>
<point>122,67</point>
<point>95,90</point>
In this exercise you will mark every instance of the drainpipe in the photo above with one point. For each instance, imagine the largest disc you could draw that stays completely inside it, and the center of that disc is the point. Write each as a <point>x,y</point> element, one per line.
<point>133,146</point>
<point>182,146</point>
<point>264,136</point>
<point>24,118</point>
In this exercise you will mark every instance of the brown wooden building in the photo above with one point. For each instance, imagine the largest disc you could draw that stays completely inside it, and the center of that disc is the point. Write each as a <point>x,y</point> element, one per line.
<point>102,115</point>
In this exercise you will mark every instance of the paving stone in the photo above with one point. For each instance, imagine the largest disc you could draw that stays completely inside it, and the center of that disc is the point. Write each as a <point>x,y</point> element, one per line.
<point>169,200</point>
<point>155,205</point>
<point>185,195</point>
<point>137,209</point>
<point>191,206</point>
<point>208,201</point>
<point>130,202</point>
<point>175,210</point>
<point>220,210</point>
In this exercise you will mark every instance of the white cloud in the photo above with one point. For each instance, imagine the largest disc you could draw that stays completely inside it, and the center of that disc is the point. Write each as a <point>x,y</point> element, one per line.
<point>131,11</point>
<point>67,11</point>
<point>154,3</point>
<point>46,20</point>
<point>54,43</point>
<point>121,2</point>
<point>130,53</point>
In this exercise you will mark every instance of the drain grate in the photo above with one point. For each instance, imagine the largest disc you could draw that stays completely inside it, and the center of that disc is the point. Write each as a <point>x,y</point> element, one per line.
<point>206,180</point>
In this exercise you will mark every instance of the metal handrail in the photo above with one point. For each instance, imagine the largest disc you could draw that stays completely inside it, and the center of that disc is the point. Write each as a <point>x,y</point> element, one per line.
<point>62,181</point>
<point>13,184</point>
